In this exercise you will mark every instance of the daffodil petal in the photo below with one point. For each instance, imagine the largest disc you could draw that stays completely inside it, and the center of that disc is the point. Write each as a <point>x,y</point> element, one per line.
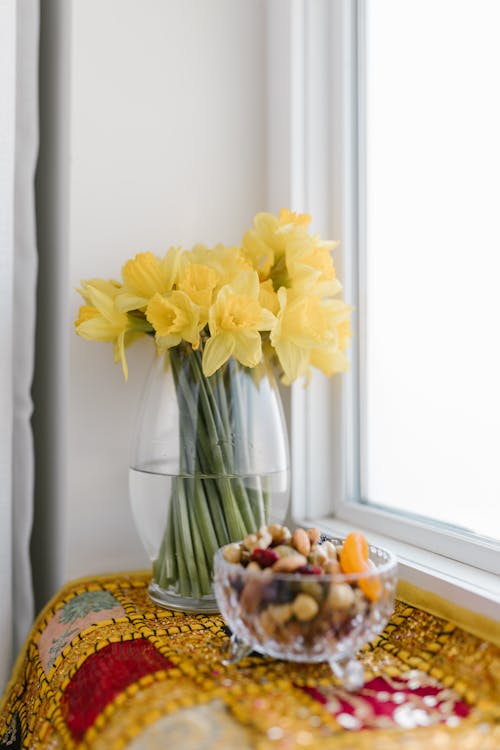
<point>143,275</point>
<point>174,315</point>
<point>125,301</point>
<point>170,265</point>
<point>216,352</point>
<point>287,217</point>
<point>293,359</point>
<point>267,320</point>
<point>108,286</point>
<point>166,342</point>
<point>97,329</point>
<point>248,348</point>
<point>268,297</point>
<point>266,225</point>
<point>329,361</point>
<point>327,288</point>
<point>120,353</point>
<point>86,312</point>
<point>104,304</point>
<point>260,255</point>
<point>246,282</point>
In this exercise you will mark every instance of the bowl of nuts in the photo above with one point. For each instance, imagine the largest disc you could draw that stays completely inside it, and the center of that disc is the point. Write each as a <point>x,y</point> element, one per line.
<point>304,596</point>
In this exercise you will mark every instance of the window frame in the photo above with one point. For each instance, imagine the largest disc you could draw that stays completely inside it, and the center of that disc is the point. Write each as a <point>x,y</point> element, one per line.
<point>324,176</point>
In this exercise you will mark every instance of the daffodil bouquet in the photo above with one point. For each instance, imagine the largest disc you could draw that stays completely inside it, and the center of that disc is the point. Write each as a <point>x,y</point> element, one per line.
<point>215,311</point>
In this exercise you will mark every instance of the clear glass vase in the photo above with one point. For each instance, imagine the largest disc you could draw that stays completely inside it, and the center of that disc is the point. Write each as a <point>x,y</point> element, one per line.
<point>210,464</point>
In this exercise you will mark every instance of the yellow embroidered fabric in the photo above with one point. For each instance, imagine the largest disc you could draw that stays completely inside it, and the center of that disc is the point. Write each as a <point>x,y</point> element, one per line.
<point>106,668</point>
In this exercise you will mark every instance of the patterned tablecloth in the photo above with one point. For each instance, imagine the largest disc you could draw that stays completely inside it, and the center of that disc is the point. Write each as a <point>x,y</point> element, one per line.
<point>105,668</point>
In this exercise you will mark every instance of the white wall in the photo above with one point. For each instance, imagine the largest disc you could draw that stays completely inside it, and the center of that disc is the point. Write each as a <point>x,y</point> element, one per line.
<point>163,116</point>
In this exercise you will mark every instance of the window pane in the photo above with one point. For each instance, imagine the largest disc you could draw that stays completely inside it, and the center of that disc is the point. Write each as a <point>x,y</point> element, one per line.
<point>431,380</point>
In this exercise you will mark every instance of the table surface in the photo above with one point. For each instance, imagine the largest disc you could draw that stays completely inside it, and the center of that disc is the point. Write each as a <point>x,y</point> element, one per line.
<point>106,668</point>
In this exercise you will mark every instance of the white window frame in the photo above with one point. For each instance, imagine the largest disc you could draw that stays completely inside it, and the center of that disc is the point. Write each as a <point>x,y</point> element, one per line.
<point>315,62</point>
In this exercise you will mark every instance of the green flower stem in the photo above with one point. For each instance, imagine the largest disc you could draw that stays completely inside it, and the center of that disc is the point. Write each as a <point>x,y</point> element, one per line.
<point>266,502</point>
<point>216,512</point>
<point>213,463</point>
<point>189,416</point>
<point>210,503</point>
<point>184,545</point>
<point>200,555</point>
<point>222,401</point>
<point>240,517</point>
<point>204,519</point>
<point>254,493</point>
<point>245,495</point>
<point>210,413</point>
<point>172,570</point>
<point>203,536</point>
<point>213,412</point>
<point>160,565</point>
<point>165,570</point>
<point>182,583</point>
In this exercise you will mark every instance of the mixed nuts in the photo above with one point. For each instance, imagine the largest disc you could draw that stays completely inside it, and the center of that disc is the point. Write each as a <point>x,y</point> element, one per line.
<point>301,601</point>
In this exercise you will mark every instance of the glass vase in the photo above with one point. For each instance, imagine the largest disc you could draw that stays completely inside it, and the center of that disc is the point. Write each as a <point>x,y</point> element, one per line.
<point>210,464</point>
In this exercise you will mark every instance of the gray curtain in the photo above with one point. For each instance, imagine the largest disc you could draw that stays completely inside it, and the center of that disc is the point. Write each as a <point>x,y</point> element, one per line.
<point>19,23</point>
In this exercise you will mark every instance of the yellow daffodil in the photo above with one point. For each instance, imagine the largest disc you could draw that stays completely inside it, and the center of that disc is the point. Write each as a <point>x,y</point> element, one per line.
<point>343,330</point>
<point>235,320</point>
<point>329,361</point>
<point>227,261</point>
<point>264,245</point>
<point>110,287</point>
<point>281,280</point>
<point>144,276</point>
<point>332,359</point>
<point>101,321</point>
<point>174,318</point>
<point>310,265</point>
<point>289,218</point>
<point>258,253</point>
<point>268,297</point>
<point>305,323</point>
<point>198,281</point>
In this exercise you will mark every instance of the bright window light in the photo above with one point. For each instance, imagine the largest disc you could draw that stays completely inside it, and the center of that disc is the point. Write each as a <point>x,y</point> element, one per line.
<point>431,330</point>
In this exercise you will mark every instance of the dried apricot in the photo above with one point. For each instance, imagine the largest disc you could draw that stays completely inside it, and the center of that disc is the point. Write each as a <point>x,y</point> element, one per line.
<point>371,587</point>
<point>354,559</point>
<point>354,553</point>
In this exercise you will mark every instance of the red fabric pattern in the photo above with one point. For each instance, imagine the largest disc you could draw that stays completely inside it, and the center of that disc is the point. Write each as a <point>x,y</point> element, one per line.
<point>395,702</point>
<point>103,676</point>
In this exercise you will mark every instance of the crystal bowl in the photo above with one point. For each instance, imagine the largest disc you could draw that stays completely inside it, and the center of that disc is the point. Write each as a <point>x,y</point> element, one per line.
<point>307,618</point>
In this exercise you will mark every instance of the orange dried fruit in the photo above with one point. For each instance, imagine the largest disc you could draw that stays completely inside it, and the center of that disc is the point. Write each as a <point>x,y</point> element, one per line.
<point>354,559</point>
<point>354,553</point>
<point>372,586</point>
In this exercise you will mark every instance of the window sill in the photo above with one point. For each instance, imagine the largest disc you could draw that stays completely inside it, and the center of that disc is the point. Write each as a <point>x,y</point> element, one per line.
<point>473,593</point>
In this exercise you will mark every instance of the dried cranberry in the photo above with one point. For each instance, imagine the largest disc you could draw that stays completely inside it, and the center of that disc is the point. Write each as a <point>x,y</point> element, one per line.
<point>264,557</point>
<point>310,570</point>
